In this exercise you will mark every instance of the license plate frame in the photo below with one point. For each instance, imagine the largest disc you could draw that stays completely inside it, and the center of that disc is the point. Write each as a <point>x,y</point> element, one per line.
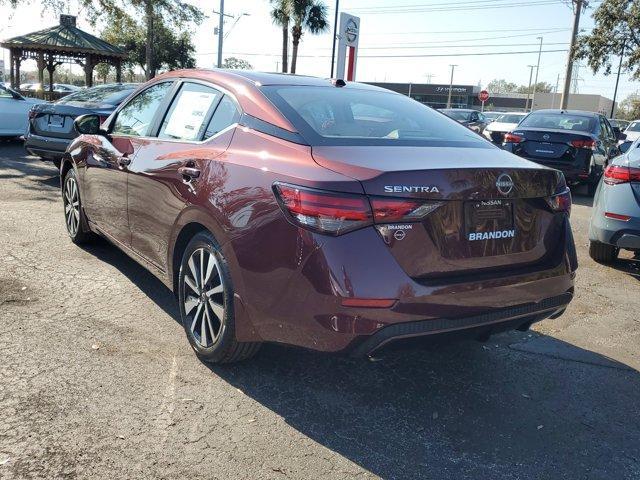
<point>488,215</point>
<point>56,120</point>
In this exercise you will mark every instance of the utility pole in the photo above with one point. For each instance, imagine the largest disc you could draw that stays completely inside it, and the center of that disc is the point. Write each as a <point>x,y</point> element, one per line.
<point>574,36</point>
<point>451,85</point>
<point>555,92</point>
<point>526,107</point>
<point>220,33</point>
<point>615,92</point>
<point>335,37</point>
<point>535,83</point>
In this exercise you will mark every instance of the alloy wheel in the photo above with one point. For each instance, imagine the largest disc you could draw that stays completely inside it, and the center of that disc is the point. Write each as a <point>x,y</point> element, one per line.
<point>204,297</point>
<point>72,206</point>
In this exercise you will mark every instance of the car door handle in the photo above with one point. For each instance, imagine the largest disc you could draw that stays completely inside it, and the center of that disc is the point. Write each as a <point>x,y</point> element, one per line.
<point>188,173</point>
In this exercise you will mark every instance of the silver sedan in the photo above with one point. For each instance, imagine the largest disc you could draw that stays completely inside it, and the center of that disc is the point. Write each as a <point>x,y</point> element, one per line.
<point>615,218</point>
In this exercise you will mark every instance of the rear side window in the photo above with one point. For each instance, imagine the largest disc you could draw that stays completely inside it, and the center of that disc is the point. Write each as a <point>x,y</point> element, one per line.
<point>189,112</point>
<point>560,121</point>
<point>108,94</point>
<point>633,127</point>
<point>136,118</point>
<point>353,116</point>
<point>226,114</point>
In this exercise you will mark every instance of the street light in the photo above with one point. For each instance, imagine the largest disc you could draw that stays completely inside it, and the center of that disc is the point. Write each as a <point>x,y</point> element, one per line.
<point>526,107</point>
<point>450,86</point>
<point>535,84</point>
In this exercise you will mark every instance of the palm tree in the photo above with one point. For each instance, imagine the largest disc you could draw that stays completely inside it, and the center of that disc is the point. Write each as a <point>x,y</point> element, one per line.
<point>308,15</point>
<point>281,15</point>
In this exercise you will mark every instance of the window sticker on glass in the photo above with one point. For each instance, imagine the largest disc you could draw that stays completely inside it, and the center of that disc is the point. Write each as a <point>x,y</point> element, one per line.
<point>189,114</point>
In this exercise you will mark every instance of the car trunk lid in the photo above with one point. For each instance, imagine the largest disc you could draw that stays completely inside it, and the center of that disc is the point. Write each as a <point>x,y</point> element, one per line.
<point>487,208</point>
<point>552,145</point>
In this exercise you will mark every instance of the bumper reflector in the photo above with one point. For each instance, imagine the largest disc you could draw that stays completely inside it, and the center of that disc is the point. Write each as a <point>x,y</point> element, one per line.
<point>617,216</point>
<point>368,302</point>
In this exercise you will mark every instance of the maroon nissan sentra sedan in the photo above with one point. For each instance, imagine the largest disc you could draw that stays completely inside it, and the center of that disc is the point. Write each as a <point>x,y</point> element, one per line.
<point>329,215</point>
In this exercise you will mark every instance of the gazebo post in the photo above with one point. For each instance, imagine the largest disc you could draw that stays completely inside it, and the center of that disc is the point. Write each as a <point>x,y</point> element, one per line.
<point>18,60</point>
<point>118,71</point>
<point>88,70</point>
<point>12,76</point>
<point>41,66</point>
<point>51,66</point>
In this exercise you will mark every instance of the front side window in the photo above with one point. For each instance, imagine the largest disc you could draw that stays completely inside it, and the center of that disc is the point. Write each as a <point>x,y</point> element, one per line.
<point>353,116</point>
<point>136,118</point>
<point>189,111</point>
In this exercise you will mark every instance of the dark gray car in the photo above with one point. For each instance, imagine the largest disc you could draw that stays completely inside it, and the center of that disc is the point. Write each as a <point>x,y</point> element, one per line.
<point>51,124</point>
<point>471,119</point>
<point>615,219</point>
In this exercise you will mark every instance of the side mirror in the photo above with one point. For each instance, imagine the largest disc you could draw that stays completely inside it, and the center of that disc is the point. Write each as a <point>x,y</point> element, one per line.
<point>616,130</point>
<point>622,136</point>
<point>624,147</point>
<point>87,125</point>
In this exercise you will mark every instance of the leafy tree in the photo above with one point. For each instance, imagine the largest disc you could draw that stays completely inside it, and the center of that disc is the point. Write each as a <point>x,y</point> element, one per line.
<point>236,63</point>
<point>501,86</point>
<point>180,12</point>
<point>281,16</point>
<point>102,71</point>
<point>172,50</point>
<point>308,15</point>
<point>629,108</point>
<point>540,87</point>
<point>617,26</point>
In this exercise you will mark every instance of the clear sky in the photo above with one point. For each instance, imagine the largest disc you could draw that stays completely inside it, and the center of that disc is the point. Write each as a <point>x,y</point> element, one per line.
<point>395,36</point>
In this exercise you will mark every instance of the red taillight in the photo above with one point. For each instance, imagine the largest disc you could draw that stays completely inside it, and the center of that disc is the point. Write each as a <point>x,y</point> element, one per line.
<point>587,143</point>
<point>337,213</point>
<point>561,202</point>
<point>511,138</point>
<point>325,212</point>
<point>392,210</point>
<point>615,174</point>
<point>617,216</point>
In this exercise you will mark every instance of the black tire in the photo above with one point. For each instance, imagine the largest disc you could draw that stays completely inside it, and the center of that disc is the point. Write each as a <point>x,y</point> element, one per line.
<point>208,311</point>
<point>77,228</point>
<point>602,252</point>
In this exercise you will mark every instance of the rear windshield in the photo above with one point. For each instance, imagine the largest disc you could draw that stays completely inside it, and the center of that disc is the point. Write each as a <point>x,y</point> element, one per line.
<point>560,121</point>
<point>457,114</point>
<point>510,118</point>
<point>634,127</point>
<point>102,95</point>
<point>349,116</point>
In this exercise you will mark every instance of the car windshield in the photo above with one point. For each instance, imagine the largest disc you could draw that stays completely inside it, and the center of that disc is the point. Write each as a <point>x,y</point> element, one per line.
<point>510,118</point>
<point>559,121</point>
<point>492,115</point>
<point>634,127</point>
<point>107,94</point>
<point>350,116</point>
<point>459,115</point>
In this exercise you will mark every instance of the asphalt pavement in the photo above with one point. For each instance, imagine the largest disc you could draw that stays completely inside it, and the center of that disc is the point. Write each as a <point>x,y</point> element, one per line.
<point>97,379</point>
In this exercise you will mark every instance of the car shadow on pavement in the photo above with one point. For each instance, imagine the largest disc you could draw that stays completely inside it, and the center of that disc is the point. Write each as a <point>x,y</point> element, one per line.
<point>31,173</point>
<point>522,406</point>
<point>630,266</point>
<point>142,278</point>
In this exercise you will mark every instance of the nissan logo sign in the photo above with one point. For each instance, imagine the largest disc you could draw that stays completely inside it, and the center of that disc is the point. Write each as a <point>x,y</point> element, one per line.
<point>504,184</point>
<point>546,136</point>
<point>351,31</point>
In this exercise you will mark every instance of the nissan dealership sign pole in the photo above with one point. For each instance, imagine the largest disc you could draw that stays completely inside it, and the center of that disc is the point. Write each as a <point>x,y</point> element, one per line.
<point>483,96</point>
<point>348,36</point>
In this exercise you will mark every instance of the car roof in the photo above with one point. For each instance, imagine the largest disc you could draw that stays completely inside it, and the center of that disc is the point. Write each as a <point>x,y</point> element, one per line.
<point>245,86</point>
<point>568,112</point>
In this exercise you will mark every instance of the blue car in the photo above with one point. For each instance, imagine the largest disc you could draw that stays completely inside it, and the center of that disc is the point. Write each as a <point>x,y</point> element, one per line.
<point>615,218</point>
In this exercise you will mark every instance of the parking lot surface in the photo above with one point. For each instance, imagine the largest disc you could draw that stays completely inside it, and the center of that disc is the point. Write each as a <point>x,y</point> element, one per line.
<point>97,379</point>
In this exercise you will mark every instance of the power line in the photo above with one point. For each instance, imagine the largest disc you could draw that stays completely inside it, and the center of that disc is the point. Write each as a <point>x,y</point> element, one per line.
<point>463,39</point>
<point>477,54</point>
<point>446,32</point>
<point>463,46</point>
<point>459,8</point>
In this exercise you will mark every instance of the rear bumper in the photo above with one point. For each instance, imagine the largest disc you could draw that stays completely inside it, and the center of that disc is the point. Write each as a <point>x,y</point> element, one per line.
<point>574,172</point>
<point>47,147</point>
<point>508,318</point>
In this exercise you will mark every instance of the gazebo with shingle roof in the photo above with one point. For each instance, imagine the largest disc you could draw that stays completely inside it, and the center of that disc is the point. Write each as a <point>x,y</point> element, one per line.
<point>64,43</point>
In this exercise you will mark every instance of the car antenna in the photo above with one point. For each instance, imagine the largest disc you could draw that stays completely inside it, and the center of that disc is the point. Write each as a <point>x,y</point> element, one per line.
<point>338,82</point>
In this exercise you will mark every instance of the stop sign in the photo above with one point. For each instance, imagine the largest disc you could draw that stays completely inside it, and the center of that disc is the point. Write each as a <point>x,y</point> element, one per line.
<point>483,96</point>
